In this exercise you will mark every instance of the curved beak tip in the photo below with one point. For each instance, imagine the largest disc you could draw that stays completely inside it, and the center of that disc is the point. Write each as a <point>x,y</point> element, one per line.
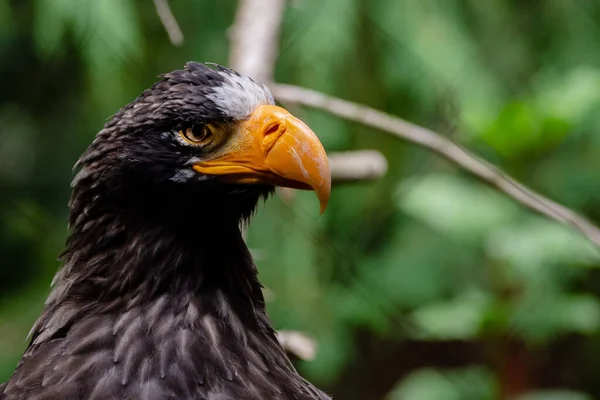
<point>323,192</point>
<point>323,205</point>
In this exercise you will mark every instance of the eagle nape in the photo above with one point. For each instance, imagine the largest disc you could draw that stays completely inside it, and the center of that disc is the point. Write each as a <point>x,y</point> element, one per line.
<point>158,296</point>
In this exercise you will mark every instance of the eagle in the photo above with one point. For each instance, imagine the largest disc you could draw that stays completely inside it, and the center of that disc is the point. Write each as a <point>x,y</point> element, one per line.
<point>158,296</point>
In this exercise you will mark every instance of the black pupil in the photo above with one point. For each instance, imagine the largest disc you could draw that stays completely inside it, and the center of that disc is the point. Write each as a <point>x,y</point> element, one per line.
<point>197,134</point>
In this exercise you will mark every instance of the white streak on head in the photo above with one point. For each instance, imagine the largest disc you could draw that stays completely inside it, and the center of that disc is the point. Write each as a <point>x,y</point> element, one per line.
<point>239,95</point>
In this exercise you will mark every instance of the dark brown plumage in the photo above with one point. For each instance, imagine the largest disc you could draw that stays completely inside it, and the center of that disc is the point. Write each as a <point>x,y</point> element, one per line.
<point>158,297</point>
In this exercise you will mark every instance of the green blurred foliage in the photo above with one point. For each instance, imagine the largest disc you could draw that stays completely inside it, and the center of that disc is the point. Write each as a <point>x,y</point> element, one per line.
<point>427,256</point>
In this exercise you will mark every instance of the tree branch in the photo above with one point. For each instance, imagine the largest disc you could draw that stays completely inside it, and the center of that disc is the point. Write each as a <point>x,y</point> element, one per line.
<point>255,38</point>
<point>442,146</point>
<point>359,165</point>
<point>169,22</point>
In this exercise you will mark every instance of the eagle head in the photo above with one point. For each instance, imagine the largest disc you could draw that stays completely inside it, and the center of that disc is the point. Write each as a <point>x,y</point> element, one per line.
<point>211,131</point>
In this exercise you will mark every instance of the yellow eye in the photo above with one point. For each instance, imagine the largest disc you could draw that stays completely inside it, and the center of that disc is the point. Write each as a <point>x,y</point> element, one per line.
<point>195,135</point>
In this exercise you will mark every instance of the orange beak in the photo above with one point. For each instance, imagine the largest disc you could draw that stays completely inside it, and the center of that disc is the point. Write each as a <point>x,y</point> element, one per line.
<point>273,147</point>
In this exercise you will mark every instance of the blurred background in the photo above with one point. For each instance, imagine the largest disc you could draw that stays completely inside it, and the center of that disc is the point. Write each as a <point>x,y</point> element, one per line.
<point>423,285</point>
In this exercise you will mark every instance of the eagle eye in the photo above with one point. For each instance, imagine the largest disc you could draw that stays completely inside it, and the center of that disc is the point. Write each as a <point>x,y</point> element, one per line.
<point>195,135</point>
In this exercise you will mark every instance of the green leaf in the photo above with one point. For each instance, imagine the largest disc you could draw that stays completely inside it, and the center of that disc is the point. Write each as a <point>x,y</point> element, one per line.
<point>460,384</point>
<point>581,314</point>
<point>516,129</point>
<point>454,206</point>
<point>571,95</point>
<point>541,315</point>
<point>534,244</point>
<point>459,318</point>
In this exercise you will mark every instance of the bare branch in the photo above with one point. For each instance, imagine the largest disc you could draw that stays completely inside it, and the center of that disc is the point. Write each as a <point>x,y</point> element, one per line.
<point>440,145</point>
<point>255,38</point>
<point>169,22</point>
<point>298,344</point>
<point>353,166</point>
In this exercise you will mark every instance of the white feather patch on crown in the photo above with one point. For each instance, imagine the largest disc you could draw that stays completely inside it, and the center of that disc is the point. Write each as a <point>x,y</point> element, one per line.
<point>239,95</point>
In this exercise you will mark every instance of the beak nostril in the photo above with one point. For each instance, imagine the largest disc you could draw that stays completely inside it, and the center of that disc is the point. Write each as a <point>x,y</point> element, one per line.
<point>273,128</point>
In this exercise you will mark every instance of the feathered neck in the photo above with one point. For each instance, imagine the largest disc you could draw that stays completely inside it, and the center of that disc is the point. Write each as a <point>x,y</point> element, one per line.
<point>129,247</point>
<point>156,239</point>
